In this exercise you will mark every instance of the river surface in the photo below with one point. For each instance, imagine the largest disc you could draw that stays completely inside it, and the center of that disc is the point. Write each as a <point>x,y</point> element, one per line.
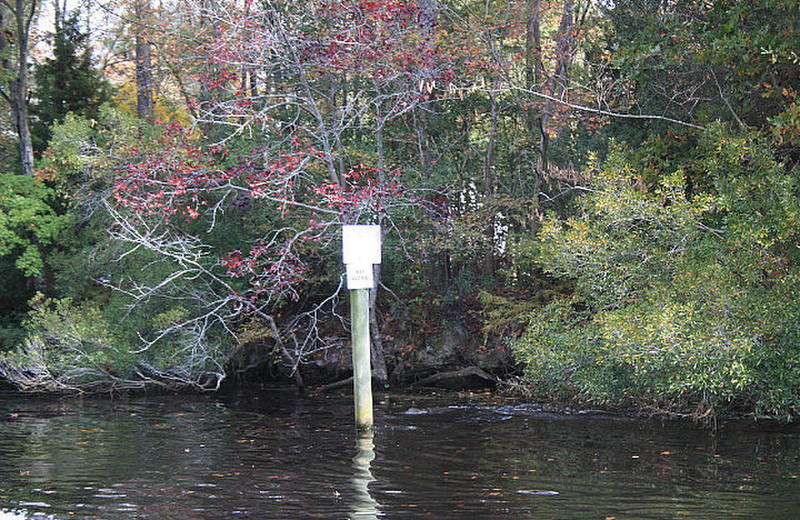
<point>272,455</point>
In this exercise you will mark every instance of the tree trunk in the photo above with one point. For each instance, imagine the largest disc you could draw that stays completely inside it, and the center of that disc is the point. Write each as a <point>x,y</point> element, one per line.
<point>533,75</point>
<point>488,187</point>
<point>559,82</point>
<point>15,91</point>
<point>533,58</point>
<point>428,19</point>
<point>144,65</point>
<point>488,160</point>
<point>19,109</point>
<point>379,370</point>
<point>16,72</point>
<point>423,146</point>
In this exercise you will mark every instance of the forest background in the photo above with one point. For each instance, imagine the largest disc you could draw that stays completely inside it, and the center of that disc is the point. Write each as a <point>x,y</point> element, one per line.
<point>598,200</point>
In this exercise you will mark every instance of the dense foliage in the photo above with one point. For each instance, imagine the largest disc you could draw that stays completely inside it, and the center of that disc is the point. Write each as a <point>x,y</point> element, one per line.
<point>602,193</point>
<point>678,298</point>
<point>66,83</point>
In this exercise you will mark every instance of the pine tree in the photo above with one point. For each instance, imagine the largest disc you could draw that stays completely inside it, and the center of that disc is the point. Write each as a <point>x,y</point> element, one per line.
<point>67,82</point>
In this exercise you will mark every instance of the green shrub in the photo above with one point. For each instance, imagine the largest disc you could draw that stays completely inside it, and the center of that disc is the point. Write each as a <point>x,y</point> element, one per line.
<point>74,347</point>
<point>681,299</point>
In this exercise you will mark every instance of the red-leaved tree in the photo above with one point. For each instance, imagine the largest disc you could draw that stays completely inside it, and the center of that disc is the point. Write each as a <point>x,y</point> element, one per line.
<point>173,200</point>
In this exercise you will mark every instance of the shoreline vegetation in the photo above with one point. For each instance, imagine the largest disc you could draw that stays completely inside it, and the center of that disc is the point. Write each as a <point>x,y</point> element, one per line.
<point>470,381</point>
<point>581,201</point>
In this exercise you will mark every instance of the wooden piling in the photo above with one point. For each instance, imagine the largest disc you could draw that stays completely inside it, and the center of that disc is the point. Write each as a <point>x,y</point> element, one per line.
<point>362,371</point>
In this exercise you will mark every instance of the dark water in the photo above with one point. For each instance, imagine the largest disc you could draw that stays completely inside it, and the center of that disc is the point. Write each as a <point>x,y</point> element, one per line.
<point>271,455</point>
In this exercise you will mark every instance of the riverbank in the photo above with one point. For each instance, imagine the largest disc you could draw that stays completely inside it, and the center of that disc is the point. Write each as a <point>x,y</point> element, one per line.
<point>505,385</point>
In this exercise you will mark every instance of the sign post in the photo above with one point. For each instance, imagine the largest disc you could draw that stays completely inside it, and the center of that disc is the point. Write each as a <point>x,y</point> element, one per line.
<point>361,249</point>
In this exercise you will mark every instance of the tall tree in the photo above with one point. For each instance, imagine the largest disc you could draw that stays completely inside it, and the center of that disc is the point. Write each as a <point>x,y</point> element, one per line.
<point>16,20</point>
<point>67,82</point>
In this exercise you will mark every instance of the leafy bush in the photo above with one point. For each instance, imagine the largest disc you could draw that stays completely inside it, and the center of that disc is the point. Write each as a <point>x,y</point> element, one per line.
<point>27,221</point>
<point>67,348</point>
<point>680,298</point>
<point>73,347</point>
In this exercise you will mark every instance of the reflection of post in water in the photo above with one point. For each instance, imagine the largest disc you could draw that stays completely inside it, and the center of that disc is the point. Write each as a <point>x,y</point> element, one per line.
<point>364,506</point>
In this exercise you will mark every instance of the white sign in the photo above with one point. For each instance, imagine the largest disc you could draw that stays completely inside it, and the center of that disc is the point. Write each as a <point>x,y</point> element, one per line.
<point>359,276</point>
<point>361,245</point>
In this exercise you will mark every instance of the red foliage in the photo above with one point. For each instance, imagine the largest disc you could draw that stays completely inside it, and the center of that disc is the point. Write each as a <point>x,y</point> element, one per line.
<point>362,193</point>
<point>271,269</point>
<point>178,179</point>
<point>276,266</point>
<point>171,179</point>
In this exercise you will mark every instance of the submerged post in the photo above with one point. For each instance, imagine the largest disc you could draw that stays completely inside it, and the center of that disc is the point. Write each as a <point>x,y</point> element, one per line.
<point>361,249</point>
